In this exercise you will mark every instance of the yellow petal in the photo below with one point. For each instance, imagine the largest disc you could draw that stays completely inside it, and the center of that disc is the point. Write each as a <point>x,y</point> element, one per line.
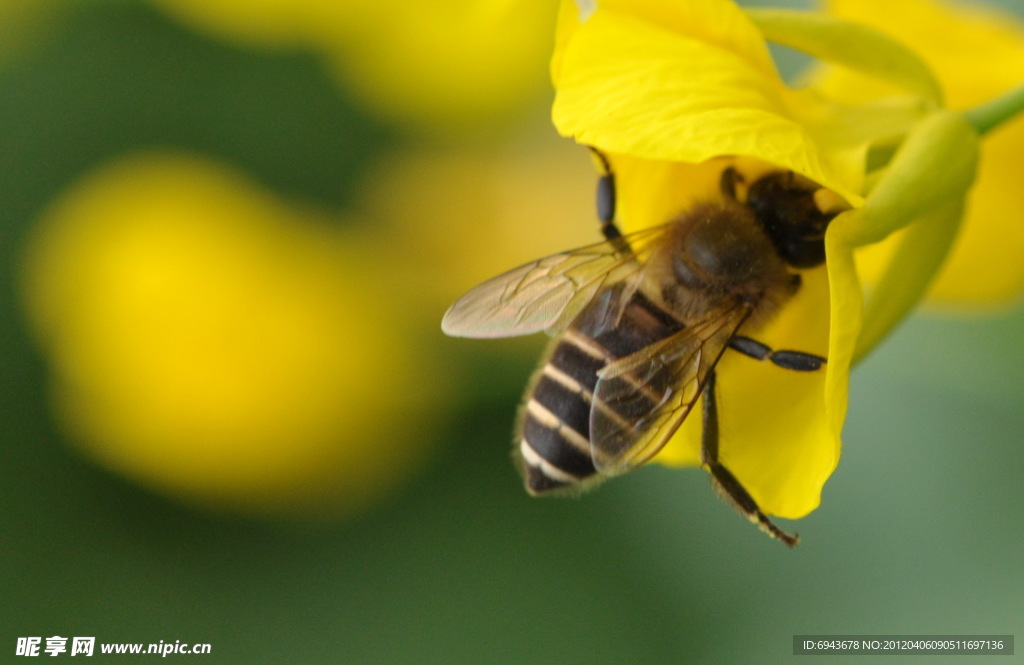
<point>425,64</point>
<point>640,104</point>
<point>443,64</point>
<point>619,87</point>
<point>846,300</point>
<point>202,341</point>
<point>985,265</point>
<point>651,192</point>
<point>977,53</point>
<point>851,44</point>
<point>718,23</point>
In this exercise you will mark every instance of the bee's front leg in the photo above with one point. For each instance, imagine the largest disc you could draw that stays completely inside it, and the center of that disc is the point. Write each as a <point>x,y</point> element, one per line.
<point>727,183</point>
<point>606,203</point>
<point>727,483</point>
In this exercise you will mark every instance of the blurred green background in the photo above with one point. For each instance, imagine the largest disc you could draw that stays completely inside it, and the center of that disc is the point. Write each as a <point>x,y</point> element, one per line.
<point>247,430</point>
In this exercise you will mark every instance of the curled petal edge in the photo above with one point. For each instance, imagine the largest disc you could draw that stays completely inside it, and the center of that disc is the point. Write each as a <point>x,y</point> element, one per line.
<point>855,45</point>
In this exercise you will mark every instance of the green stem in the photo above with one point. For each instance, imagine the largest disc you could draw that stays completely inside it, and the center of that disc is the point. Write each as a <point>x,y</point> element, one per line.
<point>994,112</point>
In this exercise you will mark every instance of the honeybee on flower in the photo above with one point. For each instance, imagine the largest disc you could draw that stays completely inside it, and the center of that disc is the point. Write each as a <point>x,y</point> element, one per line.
<point>689,118</point>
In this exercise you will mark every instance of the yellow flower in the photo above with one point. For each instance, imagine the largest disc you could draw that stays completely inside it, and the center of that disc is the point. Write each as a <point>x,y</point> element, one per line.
<point>426,64</point>
<point>453,203</point>
<point>212,343</point>
<point>25,24</point>
<point>976,54</point>
<point>673,92</point>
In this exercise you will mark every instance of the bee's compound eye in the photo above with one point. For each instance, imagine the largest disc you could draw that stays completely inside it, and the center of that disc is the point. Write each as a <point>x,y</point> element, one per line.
<point>684,273</point>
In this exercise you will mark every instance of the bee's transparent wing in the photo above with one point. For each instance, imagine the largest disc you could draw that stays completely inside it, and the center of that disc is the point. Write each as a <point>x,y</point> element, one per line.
<point>546,294</point>
<point>641,400</point>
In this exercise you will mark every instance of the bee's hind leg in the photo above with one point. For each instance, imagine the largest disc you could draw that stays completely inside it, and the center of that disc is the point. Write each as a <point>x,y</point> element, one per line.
<point>727,483</point>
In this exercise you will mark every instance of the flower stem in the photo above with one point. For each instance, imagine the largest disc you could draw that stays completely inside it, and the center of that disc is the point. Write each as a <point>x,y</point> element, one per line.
<point>995,112</point>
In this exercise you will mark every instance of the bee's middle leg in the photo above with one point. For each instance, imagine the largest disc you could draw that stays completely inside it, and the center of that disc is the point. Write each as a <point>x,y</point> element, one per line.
<point>727,483</point>
<point>798,361</point>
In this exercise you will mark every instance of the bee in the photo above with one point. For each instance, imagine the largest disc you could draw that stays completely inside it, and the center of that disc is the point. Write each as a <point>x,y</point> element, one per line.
<point>639,323</point>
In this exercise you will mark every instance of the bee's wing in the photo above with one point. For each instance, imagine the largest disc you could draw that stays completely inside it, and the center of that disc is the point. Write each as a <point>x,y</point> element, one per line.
<point>546,294</point>
<point>641,400</point>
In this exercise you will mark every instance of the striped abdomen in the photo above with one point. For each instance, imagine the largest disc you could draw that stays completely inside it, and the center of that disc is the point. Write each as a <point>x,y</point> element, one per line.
<point>554,432</point>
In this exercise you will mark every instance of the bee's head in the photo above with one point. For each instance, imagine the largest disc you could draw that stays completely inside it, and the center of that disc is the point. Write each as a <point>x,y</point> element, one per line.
<point>786,208</point>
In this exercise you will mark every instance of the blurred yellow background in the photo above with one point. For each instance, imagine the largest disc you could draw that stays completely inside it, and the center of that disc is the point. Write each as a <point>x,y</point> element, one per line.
<point>229,415</point>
